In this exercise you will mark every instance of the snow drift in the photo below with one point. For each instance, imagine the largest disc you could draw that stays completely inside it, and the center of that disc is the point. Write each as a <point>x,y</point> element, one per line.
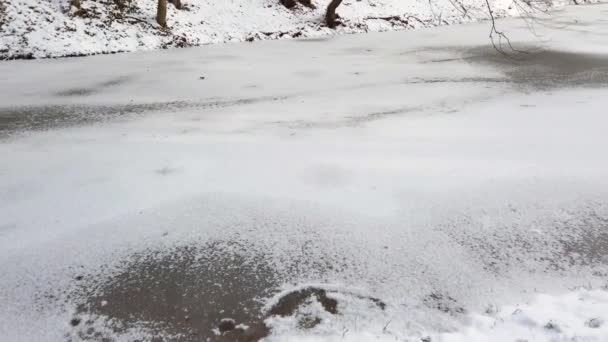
<point>50,28</point>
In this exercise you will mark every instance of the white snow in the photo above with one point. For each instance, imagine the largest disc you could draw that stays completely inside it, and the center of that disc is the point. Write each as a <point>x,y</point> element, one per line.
<point>578,315</point>
<point>547,318</point>
<point>404,159</point>
<point>48,28</point>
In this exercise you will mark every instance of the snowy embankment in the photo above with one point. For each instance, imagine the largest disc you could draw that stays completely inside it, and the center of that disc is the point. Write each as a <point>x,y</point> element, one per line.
<point>50,28</point>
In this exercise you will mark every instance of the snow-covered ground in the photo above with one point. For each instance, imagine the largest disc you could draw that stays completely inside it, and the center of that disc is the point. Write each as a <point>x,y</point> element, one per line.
<point>49,28</point>
<point>405,185</point>
<point>576,316</point>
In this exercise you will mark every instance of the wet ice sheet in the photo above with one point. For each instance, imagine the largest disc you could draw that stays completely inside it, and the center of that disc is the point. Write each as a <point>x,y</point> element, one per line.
<point>375,165</point>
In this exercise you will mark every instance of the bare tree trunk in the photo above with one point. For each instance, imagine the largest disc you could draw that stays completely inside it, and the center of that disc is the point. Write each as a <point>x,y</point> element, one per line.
<point>288,3</point>
<point>330,17</point>
<point>161,13</point>
<point>75,3</point>
<point>176,3</point>
<point>307,3</point>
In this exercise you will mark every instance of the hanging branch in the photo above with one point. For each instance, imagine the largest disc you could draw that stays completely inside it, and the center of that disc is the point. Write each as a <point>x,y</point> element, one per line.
<point>494,32</point>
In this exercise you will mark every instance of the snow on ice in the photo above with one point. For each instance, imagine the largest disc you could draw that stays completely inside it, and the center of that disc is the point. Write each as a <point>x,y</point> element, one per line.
<point>410,185</point>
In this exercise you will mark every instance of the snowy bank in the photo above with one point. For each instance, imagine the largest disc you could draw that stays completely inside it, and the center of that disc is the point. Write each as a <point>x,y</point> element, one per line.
<point>50,28</point>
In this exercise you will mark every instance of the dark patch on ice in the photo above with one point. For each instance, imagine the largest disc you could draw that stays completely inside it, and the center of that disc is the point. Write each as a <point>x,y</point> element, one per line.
<point>192,293</point>
<point>76,92</point>
<point>96,88</point>
<point>348,121</point>
<point>44,117</point>
<point>188,292</point>
<point>375,116</point>
<point>429,80</point>
<point>185,291</point>
<point>547,69</point>
<point>164,171</point>
<point>288,304</point>
<point>226,324</point>
<point>538,68</point>
<point>75,321</point>
<point>553,327</point>
<point>444,303</point>
<point>7,227</point>
<point>587,241</point>
<point>562,240</point>
<point>31,118</point>
<point>594,323</point>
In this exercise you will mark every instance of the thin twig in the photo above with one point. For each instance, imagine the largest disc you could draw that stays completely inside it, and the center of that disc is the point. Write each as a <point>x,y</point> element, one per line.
<point>386,325</point>
<point>501,35</point>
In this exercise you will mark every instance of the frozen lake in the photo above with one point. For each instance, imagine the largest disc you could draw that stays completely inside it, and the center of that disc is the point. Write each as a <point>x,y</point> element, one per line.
<point>387,186</point>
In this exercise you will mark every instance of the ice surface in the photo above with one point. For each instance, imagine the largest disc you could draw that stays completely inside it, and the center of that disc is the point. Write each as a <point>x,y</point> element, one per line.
<point>417,168</point>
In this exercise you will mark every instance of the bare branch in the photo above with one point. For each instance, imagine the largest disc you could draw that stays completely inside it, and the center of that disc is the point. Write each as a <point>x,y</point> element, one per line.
<point>499,35</point>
